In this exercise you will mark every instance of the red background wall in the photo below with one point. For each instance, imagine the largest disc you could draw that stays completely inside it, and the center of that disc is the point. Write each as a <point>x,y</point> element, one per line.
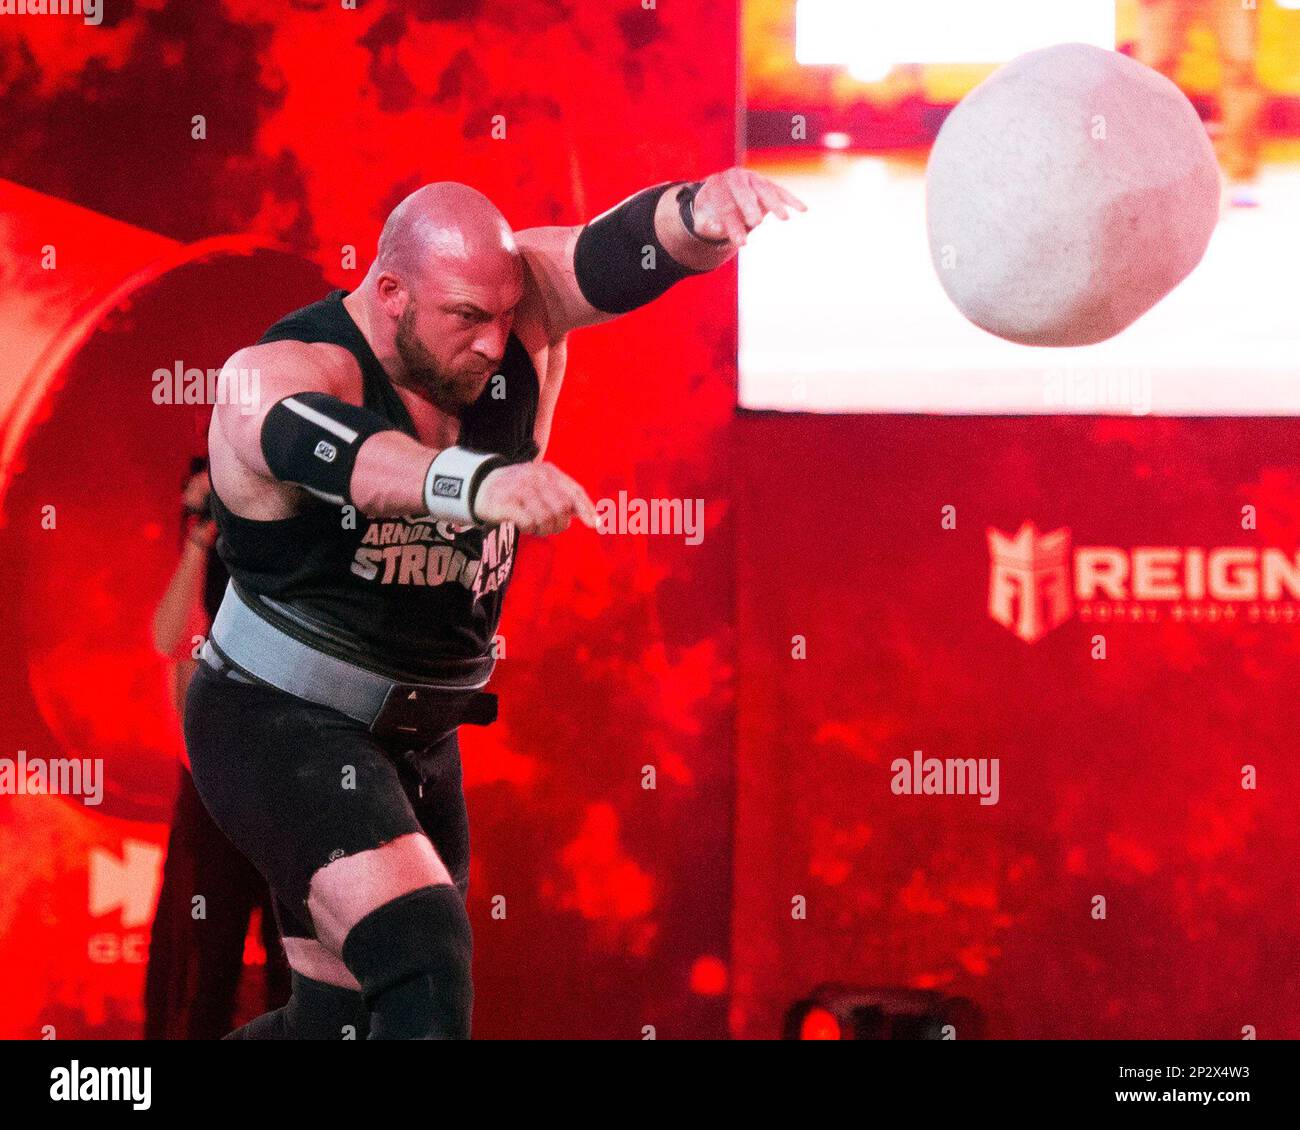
<point>618,648</point>
<point>1119,777</point>
<point>626,907</point>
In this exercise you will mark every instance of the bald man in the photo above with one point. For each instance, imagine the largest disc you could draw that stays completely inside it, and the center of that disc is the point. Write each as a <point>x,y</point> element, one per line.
<point>369,510</point>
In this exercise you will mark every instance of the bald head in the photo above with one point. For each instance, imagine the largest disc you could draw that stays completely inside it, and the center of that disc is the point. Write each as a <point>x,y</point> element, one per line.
<point>438,302</point>
<point>446,227</point>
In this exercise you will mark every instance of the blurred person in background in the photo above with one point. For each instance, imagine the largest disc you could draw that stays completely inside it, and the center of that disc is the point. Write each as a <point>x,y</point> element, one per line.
<point>1162,36</point>
<point>192,978</point>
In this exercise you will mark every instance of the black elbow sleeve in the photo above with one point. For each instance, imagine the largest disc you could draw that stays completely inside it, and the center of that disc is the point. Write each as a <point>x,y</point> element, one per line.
<point>312,439</point>
<point>619,262</point>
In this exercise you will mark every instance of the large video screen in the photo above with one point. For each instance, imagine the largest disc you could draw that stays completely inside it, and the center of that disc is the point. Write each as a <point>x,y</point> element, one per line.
<point>841,310</point>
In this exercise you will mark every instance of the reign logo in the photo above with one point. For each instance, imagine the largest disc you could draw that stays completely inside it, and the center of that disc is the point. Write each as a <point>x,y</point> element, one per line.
<point>1029,580</point>
<point>1036,583</point>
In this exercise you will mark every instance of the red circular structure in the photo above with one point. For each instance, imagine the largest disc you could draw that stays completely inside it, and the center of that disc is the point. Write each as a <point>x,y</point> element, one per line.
<point>86,554</point>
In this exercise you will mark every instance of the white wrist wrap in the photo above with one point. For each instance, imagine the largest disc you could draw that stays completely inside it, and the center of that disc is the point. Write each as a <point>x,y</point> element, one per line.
<point>453,479</point>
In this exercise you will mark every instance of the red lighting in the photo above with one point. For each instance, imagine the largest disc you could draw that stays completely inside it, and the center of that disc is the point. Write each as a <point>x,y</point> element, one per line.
<point>708,977</point>
<point>819,1024</point>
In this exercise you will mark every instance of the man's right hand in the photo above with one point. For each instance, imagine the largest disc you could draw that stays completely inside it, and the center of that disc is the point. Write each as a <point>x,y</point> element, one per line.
<point>538,498</point>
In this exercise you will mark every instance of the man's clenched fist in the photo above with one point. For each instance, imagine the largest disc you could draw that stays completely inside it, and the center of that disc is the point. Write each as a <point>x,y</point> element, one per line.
<point>538,498</point>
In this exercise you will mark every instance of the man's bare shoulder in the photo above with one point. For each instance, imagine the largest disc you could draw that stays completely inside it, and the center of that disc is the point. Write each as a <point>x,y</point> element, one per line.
<point>553,304</point>
<point>275,370</point>
<point>286,367</point>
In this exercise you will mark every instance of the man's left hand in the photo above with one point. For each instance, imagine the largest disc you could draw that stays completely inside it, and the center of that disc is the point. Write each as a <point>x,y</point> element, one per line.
<point>733,203</point>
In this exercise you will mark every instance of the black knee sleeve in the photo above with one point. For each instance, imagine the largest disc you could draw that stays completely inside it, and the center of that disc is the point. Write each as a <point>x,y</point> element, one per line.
<point>316,1011</point>
<point>413,957</point>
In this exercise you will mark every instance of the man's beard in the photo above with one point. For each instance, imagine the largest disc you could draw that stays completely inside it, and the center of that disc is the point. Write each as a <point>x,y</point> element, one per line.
<point>452,393</point>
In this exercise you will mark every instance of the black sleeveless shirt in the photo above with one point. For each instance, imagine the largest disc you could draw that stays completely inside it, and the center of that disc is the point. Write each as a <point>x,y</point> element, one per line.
<point>408,596</point>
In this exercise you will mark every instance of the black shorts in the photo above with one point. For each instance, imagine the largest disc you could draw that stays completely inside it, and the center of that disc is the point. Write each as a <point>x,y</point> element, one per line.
<point>295,786</point>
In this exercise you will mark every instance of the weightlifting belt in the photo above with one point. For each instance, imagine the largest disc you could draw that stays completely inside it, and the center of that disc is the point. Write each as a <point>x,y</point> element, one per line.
<point>246,641</point>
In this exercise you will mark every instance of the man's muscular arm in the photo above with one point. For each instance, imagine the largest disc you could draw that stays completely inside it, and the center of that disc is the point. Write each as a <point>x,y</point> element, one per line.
<point>728,206</point>
<point>388,469</point>
<point>388,474</point>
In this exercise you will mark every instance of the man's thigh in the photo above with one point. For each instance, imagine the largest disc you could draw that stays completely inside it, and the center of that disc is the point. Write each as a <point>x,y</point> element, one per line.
<point>438,801</point>
<point>293,785</point>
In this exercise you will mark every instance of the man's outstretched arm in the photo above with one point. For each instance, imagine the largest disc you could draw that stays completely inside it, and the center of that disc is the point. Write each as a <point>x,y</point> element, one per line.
<point>633,253</point>
<point>301,434</point>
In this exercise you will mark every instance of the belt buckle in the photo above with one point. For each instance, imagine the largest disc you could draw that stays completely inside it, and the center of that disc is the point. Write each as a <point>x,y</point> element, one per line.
<point>419,712</point>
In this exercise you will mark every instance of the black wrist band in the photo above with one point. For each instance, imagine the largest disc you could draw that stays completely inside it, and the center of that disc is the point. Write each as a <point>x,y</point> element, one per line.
<point>686,205</point>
